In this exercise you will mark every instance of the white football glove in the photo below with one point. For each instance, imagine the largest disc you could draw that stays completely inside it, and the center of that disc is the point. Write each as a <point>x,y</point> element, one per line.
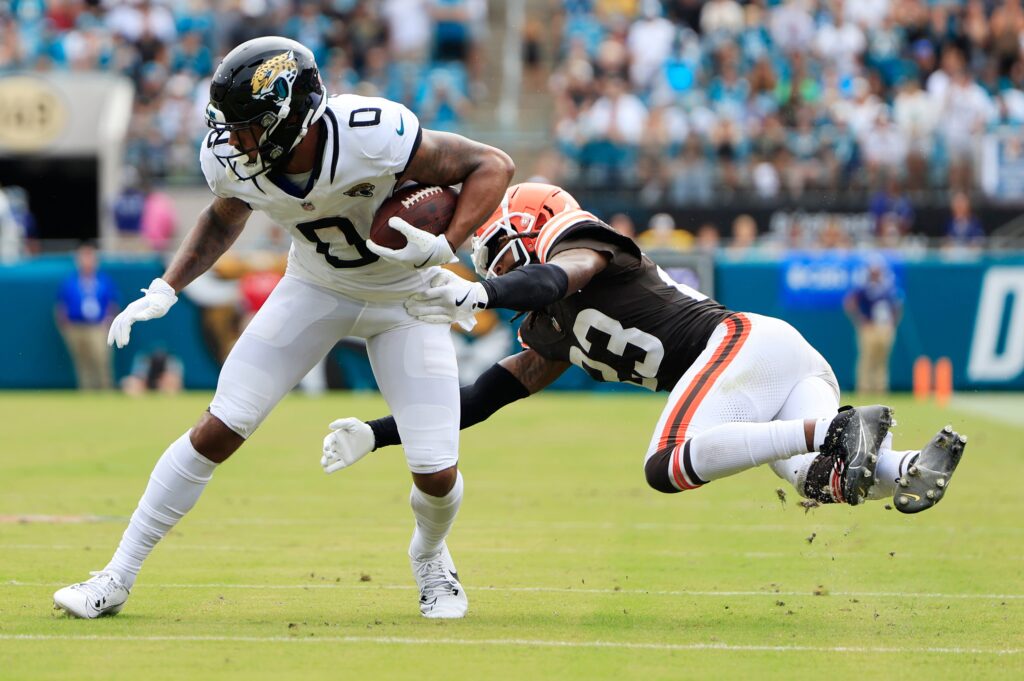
<point>449,299</point>
<point>350,440</point>
<point>155,304</point>
<point>423,250</point>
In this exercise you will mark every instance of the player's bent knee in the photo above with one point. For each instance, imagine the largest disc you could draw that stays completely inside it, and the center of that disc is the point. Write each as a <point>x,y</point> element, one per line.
<point>436,484</point>
<point>213,439</point>
<point>657,471</point>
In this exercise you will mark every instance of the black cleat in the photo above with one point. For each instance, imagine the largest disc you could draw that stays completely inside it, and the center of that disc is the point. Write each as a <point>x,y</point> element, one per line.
<point>928,476</point>
<point>852,441</point>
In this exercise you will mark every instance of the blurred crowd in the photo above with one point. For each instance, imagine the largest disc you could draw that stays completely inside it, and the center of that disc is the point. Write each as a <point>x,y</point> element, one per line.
<point>423,53</point>
<point>888,224</point>
<point>689,100</point>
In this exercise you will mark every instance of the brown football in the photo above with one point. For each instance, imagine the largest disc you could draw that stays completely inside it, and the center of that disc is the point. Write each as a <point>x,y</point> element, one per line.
<point>429,208</point>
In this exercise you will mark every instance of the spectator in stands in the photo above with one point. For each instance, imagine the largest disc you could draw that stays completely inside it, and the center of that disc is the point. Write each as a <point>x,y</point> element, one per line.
<point>409,28</point>
<point>792,26</point>
<point>964,230</point>
<point>875,308</point>
<point>623,224</point>
<point>965,109</point>
<point>650,44</point>
<point>442,107</point>
<point>721,19</point>
<point>891,200</point>
<point>86,303</point>
<point>157,371</point>
<point>884,147</point>
<point>661,235</point>
<point>612,129</point>
<point>744,236</point>
<point>840,42</point>
<point>691,176</point>
<point>159,219</point>
<point>708,239</point>
<point>915,115</point>
<point>832,236</point>
<point>128,209</point>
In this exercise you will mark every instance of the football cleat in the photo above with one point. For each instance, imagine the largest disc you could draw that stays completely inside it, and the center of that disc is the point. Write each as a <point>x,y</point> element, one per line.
<point>929,472</point>
<point>852,441</point>
<point>104,594</point>
<point>441,593</point>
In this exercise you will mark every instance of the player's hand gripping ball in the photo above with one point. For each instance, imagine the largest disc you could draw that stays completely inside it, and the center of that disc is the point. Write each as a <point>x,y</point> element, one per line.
<point>409,227</point>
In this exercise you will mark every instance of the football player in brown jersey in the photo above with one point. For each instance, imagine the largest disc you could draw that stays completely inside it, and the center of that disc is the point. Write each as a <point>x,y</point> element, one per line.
<point>744,389</point>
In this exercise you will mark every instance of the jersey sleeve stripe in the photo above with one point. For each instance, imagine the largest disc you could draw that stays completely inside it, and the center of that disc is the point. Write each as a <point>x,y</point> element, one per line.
<point>557,226</point>
<point>335,143</point>
<point>412,153</point>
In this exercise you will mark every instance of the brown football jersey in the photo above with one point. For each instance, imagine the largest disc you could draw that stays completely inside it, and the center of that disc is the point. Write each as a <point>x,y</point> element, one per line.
<point>630,323</point>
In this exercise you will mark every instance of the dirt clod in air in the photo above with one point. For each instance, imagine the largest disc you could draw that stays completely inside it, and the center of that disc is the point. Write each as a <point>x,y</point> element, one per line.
<point>808,504</point>
<point>781,493</point>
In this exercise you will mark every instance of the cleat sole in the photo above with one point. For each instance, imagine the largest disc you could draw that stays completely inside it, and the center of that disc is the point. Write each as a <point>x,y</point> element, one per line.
<point>929,476</point>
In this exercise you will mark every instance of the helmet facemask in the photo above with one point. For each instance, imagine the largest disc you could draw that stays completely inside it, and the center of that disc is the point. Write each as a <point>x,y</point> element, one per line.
<point>488,249</point>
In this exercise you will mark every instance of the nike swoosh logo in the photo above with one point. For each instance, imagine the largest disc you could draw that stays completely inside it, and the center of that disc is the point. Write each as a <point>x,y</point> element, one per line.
<point>458,303</point>
<point>915,497</point>
<point>401,125</point>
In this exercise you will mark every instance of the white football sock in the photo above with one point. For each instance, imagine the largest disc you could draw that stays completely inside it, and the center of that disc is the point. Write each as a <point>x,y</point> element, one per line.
<point>434,518</point>
<point>733,447</point>
<point>820,430</point>
<point>174,486</point>
<point>892,465</point>
<point>794,470</point>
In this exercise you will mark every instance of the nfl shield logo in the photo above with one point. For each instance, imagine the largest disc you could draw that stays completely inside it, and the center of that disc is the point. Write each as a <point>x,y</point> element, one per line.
<point>306,205</point>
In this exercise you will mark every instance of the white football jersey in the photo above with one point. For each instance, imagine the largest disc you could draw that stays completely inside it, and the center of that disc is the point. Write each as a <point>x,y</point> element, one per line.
<point>368,143</point>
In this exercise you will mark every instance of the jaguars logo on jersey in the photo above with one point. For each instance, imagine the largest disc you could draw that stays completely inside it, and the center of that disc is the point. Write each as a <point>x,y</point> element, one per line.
<point>273,80</point>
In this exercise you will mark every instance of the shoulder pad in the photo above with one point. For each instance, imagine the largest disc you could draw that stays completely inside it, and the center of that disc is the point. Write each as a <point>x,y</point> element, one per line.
<point>557,227</point>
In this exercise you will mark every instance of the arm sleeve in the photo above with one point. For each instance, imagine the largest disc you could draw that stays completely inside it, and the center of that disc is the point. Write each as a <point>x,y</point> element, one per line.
<point>527,288</point>
<point>495,388</point>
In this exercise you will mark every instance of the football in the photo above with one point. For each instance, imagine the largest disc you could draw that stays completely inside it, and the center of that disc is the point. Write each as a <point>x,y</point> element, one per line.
<point>428,208</point>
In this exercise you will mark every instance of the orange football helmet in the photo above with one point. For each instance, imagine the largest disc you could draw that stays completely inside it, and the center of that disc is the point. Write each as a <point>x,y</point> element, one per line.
<point>524,209</point>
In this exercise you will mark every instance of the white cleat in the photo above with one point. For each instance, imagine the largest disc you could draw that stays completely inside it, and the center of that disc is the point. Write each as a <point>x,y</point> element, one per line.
<point>104,594</point>
<point>441,593</point>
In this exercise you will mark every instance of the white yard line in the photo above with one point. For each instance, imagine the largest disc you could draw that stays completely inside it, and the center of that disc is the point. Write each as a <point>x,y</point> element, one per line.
<point>518,642</point>
<point>559,551</point>
<point>1006,408</point>
<point>545,589</point>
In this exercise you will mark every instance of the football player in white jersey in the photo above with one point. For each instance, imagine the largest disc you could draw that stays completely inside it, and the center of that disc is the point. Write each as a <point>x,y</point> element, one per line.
<point>320,166</point>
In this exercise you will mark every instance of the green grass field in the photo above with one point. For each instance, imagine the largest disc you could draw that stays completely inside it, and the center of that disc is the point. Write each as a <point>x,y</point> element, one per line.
<point>574,568</point>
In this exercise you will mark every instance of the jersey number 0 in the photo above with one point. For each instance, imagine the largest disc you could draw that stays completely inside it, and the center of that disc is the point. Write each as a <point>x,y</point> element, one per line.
<point>359,118</point>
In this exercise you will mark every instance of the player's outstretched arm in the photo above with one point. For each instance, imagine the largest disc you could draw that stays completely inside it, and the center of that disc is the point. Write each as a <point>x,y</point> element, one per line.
<point>450,298</point>
<point>511,379</point>
<point>445,159</point>
<point>218,227</point>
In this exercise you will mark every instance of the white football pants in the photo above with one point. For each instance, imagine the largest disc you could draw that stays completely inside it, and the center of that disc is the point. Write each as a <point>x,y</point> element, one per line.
<point>414,363</point>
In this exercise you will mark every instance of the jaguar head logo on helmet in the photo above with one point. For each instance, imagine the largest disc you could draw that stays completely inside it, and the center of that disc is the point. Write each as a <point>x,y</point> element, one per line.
<point>514,227</point>
<point>264,96</point>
